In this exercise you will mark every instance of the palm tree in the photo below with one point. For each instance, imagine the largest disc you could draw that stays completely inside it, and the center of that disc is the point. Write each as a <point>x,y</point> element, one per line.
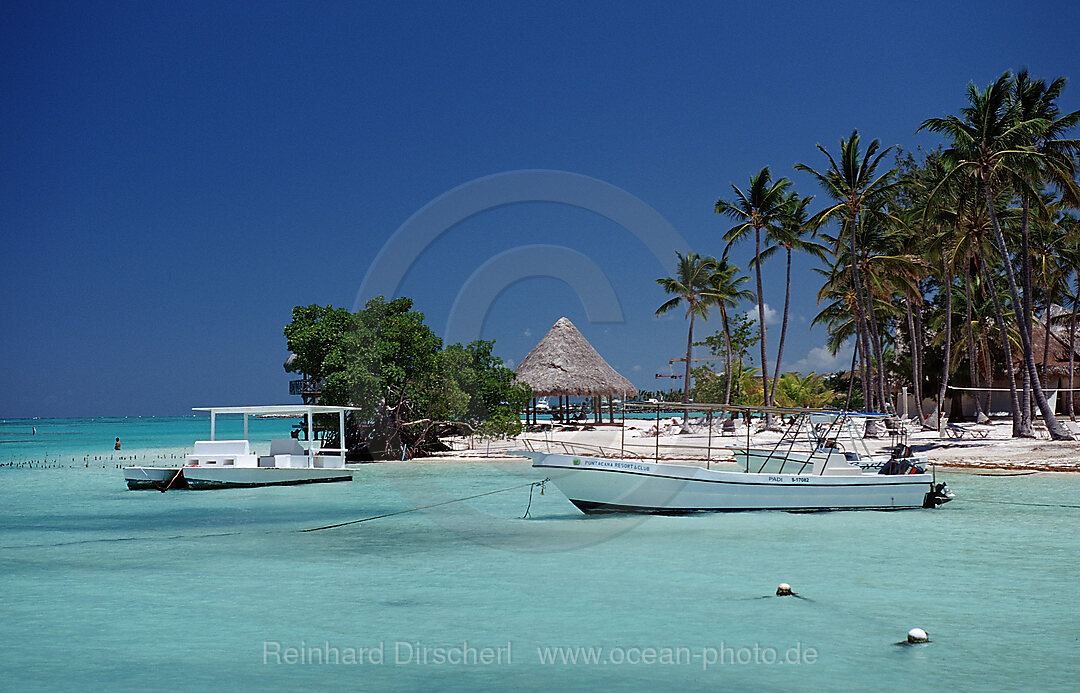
<point>1034,101</point>
<point>803,391</point>
<point>758,209</point>
<point>992,141</point>
<point>952,209</point>
<point>858,192</point>
<point>726,288</point>
<point>692,285</point>
<point>910,237</point>
<point>790,235</point>
<point>1070,255</point>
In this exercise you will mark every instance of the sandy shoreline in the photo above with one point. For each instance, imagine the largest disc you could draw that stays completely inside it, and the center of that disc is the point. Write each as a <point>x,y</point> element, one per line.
<point>997,451</point>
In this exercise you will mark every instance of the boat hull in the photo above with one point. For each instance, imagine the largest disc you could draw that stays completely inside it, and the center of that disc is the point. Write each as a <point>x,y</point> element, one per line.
<point>606,485</point>
<point>223,477</point>
<point>157,478</point>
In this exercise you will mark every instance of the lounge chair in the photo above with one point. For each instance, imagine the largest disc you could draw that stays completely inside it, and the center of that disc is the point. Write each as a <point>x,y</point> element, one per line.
<point>959,431</point>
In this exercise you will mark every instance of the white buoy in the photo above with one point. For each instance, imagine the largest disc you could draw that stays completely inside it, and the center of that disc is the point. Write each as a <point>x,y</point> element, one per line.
<point>783,590</point>
<point>918,635</point>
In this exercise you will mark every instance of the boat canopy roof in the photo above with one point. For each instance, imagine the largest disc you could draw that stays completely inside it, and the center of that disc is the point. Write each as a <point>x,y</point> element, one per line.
<point>277,410</point>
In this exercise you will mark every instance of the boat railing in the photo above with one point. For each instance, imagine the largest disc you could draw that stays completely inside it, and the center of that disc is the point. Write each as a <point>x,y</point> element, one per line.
<point>584,449</point>
<point>670,452</point>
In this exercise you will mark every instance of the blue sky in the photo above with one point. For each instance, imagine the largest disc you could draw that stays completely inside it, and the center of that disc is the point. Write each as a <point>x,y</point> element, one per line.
<point>177,176</point>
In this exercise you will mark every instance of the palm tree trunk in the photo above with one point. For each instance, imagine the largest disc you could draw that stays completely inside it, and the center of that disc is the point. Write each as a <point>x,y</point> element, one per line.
<point>862,347</point>
<point>783,328</point>
<point>851,376</point>
<point>1014,401</point>
<point>1072,348</point>
<point>860,310</point>
<point>915,361</point>
<point>1046,337</point>
<point>761,322</point>
<point>727,353</point>
<point>875,340</point>
<point>921,348</point>
<point>1057,431</point>
<point>986,375</point>
<point>1025,281</point>
<point>972,365</point>
<point>946,286</point>
<point>689,353</point>
<point>916,371</point>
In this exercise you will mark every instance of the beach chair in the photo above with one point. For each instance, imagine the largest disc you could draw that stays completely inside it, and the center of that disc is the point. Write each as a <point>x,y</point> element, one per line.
<point>959,431</point>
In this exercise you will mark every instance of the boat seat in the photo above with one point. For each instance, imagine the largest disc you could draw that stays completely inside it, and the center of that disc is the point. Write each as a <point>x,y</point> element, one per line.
<point>217,448</point>
<point>286,446</point>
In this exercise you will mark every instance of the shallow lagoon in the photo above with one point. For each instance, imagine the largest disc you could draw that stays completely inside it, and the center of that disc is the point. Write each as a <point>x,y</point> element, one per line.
<point>114,589</point>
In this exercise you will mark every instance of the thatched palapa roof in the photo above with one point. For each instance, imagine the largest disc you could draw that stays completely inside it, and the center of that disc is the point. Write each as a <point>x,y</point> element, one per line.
<point>564,363</point>
<point>1058,361</point>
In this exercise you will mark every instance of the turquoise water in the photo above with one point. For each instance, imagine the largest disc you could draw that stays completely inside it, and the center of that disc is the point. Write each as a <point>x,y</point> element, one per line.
<point>131,590</point>
<point>70,441</point>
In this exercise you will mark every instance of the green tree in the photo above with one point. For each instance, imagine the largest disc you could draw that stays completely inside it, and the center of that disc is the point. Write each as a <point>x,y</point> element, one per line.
<point>386,362</point>
<point>728,293</point>
<point>992,140</point>
<point>794,390</point>
<point>692,285</point>
<point>858,192</point>
<point>315,332</point>
<point>759,209</point>
<point>790,235</point>
<point>734,341</point>
<point>493,399</point>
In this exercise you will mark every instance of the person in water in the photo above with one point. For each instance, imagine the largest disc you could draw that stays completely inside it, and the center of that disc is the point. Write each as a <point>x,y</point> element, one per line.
<point>117,446</point>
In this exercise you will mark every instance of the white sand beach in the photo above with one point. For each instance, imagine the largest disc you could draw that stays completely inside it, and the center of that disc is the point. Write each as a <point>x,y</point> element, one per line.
<point>997,450</point>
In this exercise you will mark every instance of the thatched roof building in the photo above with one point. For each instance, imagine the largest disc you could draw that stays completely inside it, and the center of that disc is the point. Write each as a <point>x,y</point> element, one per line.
<point>1057,359</point>
<point>564,363</point>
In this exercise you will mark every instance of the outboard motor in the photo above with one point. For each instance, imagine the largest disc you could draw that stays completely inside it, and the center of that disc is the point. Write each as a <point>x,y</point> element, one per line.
<point>939,494</point>
<point>900,466</point>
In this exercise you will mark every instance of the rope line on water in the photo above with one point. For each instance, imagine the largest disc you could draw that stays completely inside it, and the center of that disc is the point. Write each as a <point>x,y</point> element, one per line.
<point>531,485</point>
<point>1036,505</point>
<point>433,505</point>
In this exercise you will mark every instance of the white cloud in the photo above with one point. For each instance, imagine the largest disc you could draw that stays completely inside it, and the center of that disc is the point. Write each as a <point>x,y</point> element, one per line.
<point>636,367</point>
<point>819,360</point>
<point>527,332</point>
<point>772,316</point>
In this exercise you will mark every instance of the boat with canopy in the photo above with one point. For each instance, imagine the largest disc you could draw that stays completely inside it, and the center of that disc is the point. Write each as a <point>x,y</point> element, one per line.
<point>235,463</point>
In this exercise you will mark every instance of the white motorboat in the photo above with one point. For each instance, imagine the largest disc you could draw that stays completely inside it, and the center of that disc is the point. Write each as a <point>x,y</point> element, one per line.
<point>597,484</point>
<point>826,479</point>
<point>233,463</point>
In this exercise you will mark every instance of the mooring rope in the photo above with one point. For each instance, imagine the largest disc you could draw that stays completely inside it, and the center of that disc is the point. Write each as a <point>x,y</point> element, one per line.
<point>433,505</point>
<point>1036,505</point>
<point>531,485</point>
<point>529,506</point>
